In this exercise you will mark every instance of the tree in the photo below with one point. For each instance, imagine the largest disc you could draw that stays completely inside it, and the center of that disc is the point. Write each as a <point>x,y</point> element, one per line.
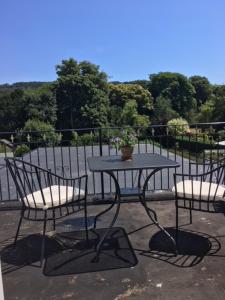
<point>163,111</point>
<point>31,85</point>
<point>212,110</point>
<point>219,90</point>
<point>144,83</point>
<point>218,113</point>
<point>12,110</point>
<point>41,105</point>
<point>131,117</point>
<point>203,89</point>
<point>177,88</point>
<point>206,112</point>
<point>120,94</point>
<point>68,67</point>
<point>82,95</point>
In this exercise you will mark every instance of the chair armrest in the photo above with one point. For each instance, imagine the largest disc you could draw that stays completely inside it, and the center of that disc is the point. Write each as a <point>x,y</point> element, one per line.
<point>48,171</point>
<point>51,178</point>
<point>201,176</point>
<point>208,162</point>
<point>69,179</point>
<point>215,175</point>
<point>203,163</point>
<point>189,175</point>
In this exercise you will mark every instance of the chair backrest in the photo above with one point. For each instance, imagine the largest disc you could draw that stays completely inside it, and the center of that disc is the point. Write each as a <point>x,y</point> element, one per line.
<point>28,179</point>
<point>215,174</point>
<point>211,164</point>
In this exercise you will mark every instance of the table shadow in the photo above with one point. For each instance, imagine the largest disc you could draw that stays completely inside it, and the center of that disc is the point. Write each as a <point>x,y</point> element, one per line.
<point>69,252</point>
<point>78,255</point>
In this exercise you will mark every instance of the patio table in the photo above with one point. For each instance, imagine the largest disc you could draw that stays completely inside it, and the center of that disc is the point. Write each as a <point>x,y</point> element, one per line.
<point>140,162</point>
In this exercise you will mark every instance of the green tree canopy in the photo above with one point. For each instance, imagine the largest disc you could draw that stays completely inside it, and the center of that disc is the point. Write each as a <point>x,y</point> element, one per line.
<point>203,89</point>
<point>12,110</point>
<point>82,97</point>
<point>163,111</point>
<point>81,94</point>
<point>120,94</point>
<point>144,83</point>
<point>219,90</point>
<point>41,105</point>
<point>175,87</point>
<point>218,114</point>
<point>206,112</point>
<point>131,117</point>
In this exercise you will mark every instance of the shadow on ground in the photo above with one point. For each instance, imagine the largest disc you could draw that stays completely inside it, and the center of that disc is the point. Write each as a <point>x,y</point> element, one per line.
<point>191,249</point>
<point>69,253</point>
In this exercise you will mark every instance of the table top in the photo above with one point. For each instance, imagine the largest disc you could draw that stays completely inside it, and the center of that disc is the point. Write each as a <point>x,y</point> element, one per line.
<point>139,161</point>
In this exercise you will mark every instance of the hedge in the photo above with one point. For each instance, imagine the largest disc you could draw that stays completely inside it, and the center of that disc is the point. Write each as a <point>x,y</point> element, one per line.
<point>188,143</point>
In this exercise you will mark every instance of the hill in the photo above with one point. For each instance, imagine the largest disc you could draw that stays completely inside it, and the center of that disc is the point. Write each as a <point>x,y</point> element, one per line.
<point>32,85</point>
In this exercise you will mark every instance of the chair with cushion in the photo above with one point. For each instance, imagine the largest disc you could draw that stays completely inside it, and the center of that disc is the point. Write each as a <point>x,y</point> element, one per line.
<point>46,196</point>
<point>201,191</point>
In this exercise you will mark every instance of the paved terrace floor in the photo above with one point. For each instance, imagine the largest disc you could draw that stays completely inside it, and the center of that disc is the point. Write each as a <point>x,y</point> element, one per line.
<point>198,271</point>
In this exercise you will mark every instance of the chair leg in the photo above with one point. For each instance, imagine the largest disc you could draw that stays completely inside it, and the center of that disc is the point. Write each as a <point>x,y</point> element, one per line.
<point>177,225</point>
<point>17,231</point>
<point>85,219</point>
<point>43,241</point>
<point>53,225</point>
<point>190,215</point>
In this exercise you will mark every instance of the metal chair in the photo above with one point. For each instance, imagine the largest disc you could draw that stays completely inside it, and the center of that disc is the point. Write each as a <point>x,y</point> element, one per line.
<point>201,191</point>
<point>46,196</point>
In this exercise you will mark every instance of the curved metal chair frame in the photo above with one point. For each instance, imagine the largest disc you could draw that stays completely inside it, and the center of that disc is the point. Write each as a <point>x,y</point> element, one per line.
<point>214,175</point>
<point>46,196</point>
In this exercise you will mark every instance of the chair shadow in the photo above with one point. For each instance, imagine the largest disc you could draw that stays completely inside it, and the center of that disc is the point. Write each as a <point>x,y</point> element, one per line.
<point>27,252</point>
<point>69,252</point>
<point>192,247</point>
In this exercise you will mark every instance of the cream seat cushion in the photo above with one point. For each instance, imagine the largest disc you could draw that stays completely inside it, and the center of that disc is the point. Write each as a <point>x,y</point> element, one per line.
<point>59,192</point>
<point>184,189</point>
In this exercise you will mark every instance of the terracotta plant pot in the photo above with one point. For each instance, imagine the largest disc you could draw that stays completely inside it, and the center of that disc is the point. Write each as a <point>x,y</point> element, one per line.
<point>126,153</point>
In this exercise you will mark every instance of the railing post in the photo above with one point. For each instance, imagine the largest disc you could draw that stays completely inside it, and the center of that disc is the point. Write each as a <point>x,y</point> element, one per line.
<point>101,153</point>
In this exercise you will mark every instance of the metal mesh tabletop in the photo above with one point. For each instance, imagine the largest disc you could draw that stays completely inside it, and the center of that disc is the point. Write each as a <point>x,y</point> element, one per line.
<point>139,161</point>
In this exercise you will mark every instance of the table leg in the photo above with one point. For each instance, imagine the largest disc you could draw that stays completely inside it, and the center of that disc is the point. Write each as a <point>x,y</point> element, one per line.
<point>117,201</point>
<point>139,178</point>
<point>152,214</point>
<point>104,211</point>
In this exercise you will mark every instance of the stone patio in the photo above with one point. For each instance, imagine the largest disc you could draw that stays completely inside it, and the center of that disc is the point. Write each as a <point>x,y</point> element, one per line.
<point>196,273</point>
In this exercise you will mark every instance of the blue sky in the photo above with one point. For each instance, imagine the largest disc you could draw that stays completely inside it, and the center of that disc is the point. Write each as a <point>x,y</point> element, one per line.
<point>129,39</point>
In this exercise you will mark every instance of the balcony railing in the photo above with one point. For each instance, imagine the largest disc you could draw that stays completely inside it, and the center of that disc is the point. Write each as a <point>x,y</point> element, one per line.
<point>65,152</point>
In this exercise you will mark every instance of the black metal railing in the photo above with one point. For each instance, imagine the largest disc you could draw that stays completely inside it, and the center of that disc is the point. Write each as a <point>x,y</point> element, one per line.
<point>65,152</point>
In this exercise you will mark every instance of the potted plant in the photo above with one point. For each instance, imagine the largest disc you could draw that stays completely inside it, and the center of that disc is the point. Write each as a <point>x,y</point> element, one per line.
<point>125,142</point>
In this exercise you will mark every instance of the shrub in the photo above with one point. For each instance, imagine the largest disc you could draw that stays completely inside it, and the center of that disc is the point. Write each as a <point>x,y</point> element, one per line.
<point>41,132</point>
<point>74,138</point>
<point>178,126</point>
<point>85,139</point>
<point>221,135</point>
<point>196,145</point>
<point>21,150</point>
